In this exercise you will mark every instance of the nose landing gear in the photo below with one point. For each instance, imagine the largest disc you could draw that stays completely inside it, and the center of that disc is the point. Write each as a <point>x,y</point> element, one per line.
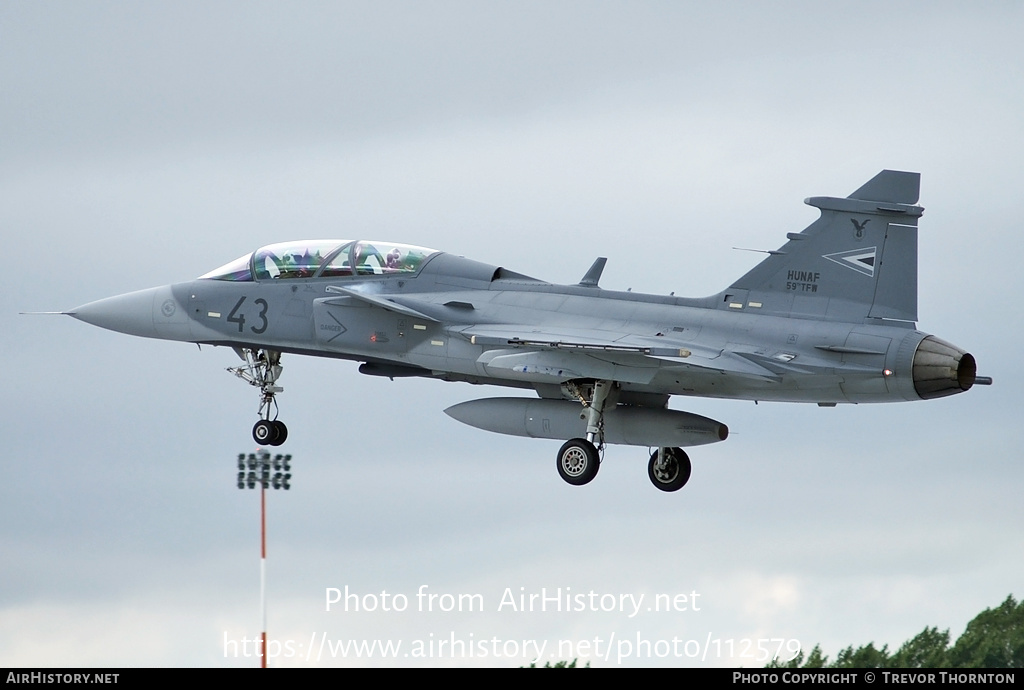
<point>262,368</point>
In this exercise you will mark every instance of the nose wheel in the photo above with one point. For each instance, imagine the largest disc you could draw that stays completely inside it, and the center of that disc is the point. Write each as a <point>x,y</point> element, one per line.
<point>262,368</point>
<point>269,432</point>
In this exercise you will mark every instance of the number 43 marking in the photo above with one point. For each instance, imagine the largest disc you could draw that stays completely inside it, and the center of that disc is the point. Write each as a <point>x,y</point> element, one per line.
<point>235,317</point>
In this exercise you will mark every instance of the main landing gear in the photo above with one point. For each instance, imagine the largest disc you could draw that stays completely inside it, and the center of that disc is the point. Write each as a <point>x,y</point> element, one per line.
<point>578,461</point>
<point>669,469</point>
<point>580,458</point>
<point>262,368</point>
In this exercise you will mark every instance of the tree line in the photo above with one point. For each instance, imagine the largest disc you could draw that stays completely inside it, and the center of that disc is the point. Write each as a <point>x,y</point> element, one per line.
<point>993,639</point>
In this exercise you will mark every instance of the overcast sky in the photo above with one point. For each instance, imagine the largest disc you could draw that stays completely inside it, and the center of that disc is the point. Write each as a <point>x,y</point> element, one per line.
<point>148,143</point>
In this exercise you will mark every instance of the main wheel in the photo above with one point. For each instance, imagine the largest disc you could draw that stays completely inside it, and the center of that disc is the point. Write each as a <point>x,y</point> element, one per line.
<point>265,432</point>
<point>673,474</point>
<point>577,461</point>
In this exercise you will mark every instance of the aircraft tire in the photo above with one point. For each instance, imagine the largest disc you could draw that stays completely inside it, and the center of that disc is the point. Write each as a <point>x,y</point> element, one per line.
<point>282,433</point>
<point>676,472</point>
<point>578,461</point>
<point>265,432</point>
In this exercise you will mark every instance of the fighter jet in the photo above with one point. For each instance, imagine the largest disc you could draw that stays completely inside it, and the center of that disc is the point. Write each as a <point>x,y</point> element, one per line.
<point>828,318</point>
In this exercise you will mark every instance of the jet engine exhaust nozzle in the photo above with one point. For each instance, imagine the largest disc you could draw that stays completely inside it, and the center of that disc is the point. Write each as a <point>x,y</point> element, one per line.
<point>942,369</point>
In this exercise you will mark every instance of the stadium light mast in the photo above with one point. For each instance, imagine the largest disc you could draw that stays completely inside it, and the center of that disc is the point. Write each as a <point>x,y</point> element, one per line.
<point>252,470</point>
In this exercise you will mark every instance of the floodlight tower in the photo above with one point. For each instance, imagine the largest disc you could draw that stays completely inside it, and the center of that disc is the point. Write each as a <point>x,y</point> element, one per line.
<point>252,470</point>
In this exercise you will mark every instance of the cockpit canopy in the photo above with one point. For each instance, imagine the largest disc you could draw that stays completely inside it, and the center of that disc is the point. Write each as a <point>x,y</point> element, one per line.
<point>323,259</point>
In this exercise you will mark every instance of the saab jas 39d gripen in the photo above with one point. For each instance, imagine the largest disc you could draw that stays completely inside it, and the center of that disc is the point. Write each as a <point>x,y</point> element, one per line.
<point>828,318</point>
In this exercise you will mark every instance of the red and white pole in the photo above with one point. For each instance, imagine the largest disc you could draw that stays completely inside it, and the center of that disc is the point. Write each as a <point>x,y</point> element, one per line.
<point>252,471</point>
<point>263,571</point>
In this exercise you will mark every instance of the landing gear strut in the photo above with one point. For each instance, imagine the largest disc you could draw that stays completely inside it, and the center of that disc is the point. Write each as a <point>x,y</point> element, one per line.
<point>580,458</point>
<point>262,369</point>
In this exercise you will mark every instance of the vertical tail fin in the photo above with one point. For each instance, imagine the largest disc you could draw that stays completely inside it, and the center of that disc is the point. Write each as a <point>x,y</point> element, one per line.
<point>857,261</point>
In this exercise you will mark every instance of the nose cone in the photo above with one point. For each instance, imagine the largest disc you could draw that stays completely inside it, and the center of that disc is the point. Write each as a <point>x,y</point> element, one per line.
<point>131,313</point>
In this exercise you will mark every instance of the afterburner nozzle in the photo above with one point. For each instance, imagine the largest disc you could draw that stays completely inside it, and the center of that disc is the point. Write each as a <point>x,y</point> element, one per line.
<point>942,369</point>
